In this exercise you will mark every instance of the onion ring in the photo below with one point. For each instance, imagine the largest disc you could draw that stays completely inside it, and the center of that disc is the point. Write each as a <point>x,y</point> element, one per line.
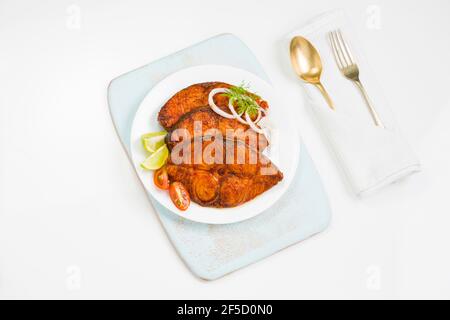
<point>252,124</point>
<point>215,107</point>
<point>234,115</point>
<point>237,116</point>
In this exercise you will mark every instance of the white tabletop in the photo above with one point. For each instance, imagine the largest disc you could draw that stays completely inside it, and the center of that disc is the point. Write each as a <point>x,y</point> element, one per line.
<point>74,221</point>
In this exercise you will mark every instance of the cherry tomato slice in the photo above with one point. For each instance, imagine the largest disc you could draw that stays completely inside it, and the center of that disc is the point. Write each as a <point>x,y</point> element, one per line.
<point>161,178</point>
<point>179,195</point>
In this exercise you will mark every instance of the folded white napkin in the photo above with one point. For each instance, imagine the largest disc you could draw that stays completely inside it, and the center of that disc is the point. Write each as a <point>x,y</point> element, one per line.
<point>371,157</point>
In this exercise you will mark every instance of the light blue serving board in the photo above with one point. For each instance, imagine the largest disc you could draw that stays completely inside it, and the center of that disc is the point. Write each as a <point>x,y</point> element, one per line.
<point>212,251</point>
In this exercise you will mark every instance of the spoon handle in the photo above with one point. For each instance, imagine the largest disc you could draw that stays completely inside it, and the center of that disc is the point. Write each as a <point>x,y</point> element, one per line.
<point>325,95</point>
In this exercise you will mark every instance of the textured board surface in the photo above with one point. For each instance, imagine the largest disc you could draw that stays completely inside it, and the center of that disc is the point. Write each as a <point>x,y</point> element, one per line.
<point>211,251</point>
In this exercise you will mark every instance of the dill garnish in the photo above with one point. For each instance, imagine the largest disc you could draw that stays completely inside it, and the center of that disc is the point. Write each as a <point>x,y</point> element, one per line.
<point>243,100</point>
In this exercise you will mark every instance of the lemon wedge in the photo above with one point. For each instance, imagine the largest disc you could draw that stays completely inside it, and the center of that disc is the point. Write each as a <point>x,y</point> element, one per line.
<point>153,141</point>
<point>157,159</point>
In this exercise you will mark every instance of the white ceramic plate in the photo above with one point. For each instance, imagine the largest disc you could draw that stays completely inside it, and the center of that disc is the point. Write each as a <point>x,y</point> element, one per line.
<point>284,152</point>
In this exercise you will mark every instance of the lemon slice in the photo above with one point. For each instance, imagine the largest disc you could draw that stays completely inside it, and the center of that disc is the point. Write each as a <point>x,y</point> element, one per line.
<point>157,159</point>
<point>153,141</point>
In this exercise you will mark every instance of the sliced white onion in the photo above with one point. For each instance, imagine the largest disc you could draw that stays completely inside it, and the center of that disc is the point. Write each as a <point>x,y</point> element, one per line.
<point>233,111</point>
<point>265,123</point>
<point>252,124</point>
<point>215,107</point>
<point>261,110</point>
<point>234,115</point>
<point>259,116</point>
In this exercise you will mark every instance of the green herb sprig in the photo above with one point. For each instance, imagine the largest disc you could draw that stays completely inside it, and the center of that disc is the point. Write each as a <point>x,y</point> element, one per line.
<point>244,100</point>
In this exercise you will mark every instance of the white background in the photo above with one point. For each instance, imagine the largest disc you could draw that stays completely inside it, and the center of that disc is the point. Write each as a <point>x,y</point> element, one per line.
<point>74,221</point>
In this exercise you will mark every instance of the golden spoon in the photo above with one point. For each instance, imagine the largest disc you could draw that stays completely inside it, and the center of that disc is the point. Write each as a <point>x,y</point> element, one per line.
<point>307,64</point>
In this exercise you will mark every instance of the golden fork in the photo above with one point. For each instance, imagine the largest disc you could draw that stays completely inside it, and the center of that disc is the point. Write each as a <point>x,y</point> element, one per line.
<point>350,70</point>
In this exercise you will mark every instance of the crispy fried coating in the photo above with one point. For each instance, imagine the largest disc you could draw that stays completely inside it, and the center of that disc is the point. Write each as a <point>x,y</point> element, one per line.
<point>217,172</point>
<point>204,121</point>
<point>225,173</point>
<point>188,99</point>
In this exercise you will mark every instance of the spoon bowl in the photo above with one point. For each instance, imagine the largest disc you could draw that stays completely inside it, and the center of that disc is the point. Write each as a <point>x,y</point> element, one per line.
<point>307,64</point>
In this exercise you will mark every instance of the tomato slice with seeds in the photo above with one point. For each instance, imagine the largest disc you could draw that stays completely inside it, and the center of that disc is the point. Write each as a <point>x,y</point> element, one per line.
<point>161,178</point>
<point>179,195</point>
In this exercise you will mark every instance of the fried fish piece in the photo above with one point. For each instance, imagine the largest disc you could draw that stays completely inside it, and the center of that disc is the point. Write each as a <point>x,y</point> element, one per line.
<point>188,99</point>
<point>194,97</point>
<point>225,173</point>
<point>204,121</point>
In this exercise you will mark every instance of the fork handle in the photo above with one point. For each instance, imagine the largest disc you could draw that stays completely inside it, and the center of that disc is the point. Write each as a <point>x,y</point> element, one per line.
<point>373,112</point>
<point>325,95</point>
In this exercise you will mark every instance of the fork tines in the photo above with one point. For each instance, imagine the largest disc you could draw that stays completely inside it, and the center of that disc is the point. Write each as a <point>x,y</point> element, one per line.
<point>349,69</point>
<point>342,53</point>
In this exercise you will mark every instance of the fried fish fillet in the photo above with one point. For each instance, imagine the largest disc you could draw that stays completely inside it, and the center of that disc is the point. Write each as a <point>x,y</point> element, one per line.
<point>225,173</point>
<point>204,121</point>
<point>188,99</point>
<point>194,97</point>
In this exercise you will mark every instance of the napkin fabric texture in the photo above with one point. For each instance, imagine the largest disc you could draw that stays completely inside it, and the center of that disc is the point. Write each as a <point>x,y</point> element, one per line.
<point>370,157</point>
